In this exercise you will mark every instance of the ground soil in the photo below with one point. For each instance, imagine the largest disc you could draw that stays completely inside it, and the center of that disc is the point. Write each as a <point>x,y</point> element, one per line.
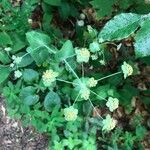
<point>14,137</point>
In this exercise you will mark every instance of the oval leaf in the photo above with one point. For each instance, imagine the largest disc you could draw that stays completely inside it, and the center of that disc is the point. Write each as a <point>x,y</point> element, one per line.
<point>52,99</point>
<point>4,73</point>
<point>120,27</point>
<point>31,100</point>
<point>66,51</point>
<point>142,41</point>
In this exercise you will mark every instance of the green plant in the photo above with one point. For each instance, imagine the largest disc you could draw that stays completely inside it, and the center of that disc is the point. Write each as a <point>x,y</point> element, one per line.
<point>59,86</point>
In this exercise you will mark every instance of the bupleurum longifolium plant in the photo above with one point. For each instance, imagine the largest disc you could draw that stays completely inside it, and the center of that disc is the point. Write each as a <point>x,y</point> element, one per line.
<point>77,84</point>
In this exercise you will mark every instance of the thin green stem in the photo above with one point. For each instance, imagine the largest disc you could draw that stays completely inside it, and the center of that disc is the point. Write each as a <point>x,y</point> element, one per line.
<point>72,70</point>
<point>82,70</point>
<point>61,80</point>
<point>95,109</point>
<point>109,76</point>
<point>76,99</point>
<point>98,95</point>
<point>50,49</point>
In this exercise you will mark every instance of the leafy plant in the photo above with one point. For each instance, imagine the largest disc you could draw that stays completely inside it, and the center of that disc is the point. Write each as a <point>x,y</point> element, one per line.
<point>67,87</point>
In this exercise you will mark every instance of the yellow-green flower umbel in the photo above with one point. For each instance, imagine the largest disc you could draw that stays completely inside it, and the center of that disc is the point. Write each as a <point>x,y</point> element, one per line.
<point>108,123</point>
<point>70,113</point>
<point>83,55</point>
<point>48,77</point>
<point>112,103</point>
<point>91,82</point>
<point>85,93</point>
<point>127,69</point>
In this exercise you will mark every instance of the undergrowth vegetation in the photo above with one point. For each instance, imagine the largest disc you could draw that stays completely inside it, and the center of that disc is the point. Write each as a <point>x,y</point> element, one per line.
<point>76,71</point>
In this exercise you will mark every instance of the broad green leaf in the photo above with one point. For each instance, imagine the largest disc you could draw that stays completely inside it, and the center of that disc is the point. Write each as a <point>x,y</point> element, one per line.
<point>120,27</point>
<point>39,46</point>
<point>40,55</point>
<point>30,75</point>
<point>31,99</point>
<point>37,39</point>
<point>26,91</point>
<point>65,52</point>
<point>102,91</point>
<point>4,73</point>
<point>28,95</point>
<point>5,39</point>
<point>18,42</point>
<point>26,60</point>
<point>53,2</point>
<point>51,100</point>
<point>103,7</point>
<point>142,41</point>
<point>4,58</point>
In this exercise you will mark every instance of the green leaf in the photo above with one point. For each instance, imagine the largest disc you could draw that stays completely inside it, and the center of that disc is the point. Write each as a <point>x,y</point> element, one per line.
<point>26,60</point>
<point>103,7</point>
<point>37,39</point>
<point>29,75</point>
<point>4,58</point>
<point>5,39</point>
<point>102,91</point>
<point>28,96</point>
<point>120,27</point>
<point>53,2</point>
<point>65,52</point>
<point>4,73</point>
<point>31,100</point>
<point>38,49</point>
<point>142,41</point>
<point>51,100</point>
<point>39,55</point>
<point>18,42</point>
<point>26,91</point>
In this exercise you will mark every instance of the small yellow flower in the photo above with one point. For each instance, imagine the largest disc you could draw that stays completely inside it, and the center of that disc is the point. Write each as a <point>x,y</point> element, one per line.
<point>48,77</point>
<point>92,82</point>
<point>112,103</point>
<point>70,113</point>
<point>16,59</point>
<point>17,74</point>
<point>85,93</point>
<point>127,69</point>
<point>109,123</point>
<point>83,55</point>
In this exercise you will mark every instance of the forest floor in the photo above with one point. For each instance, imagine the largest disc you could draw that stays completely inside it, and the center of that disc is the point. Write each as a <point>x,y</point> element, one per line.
<point>14,137</point>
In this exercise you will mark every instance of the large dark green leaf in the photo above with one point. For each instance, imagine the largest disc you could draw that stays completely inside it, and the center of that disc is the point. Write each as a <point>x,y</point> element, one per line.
<point>120,27</point>
<point>52,99</point>
<point>4,57</point>
<point>39,46</point>
<point>31,99</point>
<point>65,52</point>
<point>30,75</point>
<point>4,73</point>
<point>142,41</point>
<point>5,39</point>
<point>37,39</point>
<point>103,7</point>
<point>53,2</point>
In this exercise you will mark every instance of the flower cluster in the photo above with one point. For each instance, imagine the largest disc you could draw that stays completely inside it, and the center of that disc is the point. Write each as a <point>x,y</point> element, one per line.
<point>48,77</point>
<point>91,82</point>
<point>85,93</point>
<point>70,113</point>
<point>16,59</point>
<point>112,103</point>
<point>83,55</point>
<point>17,74</point>
<point>94,46</point>
<point>127,69</point>
<point>108,123</point>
